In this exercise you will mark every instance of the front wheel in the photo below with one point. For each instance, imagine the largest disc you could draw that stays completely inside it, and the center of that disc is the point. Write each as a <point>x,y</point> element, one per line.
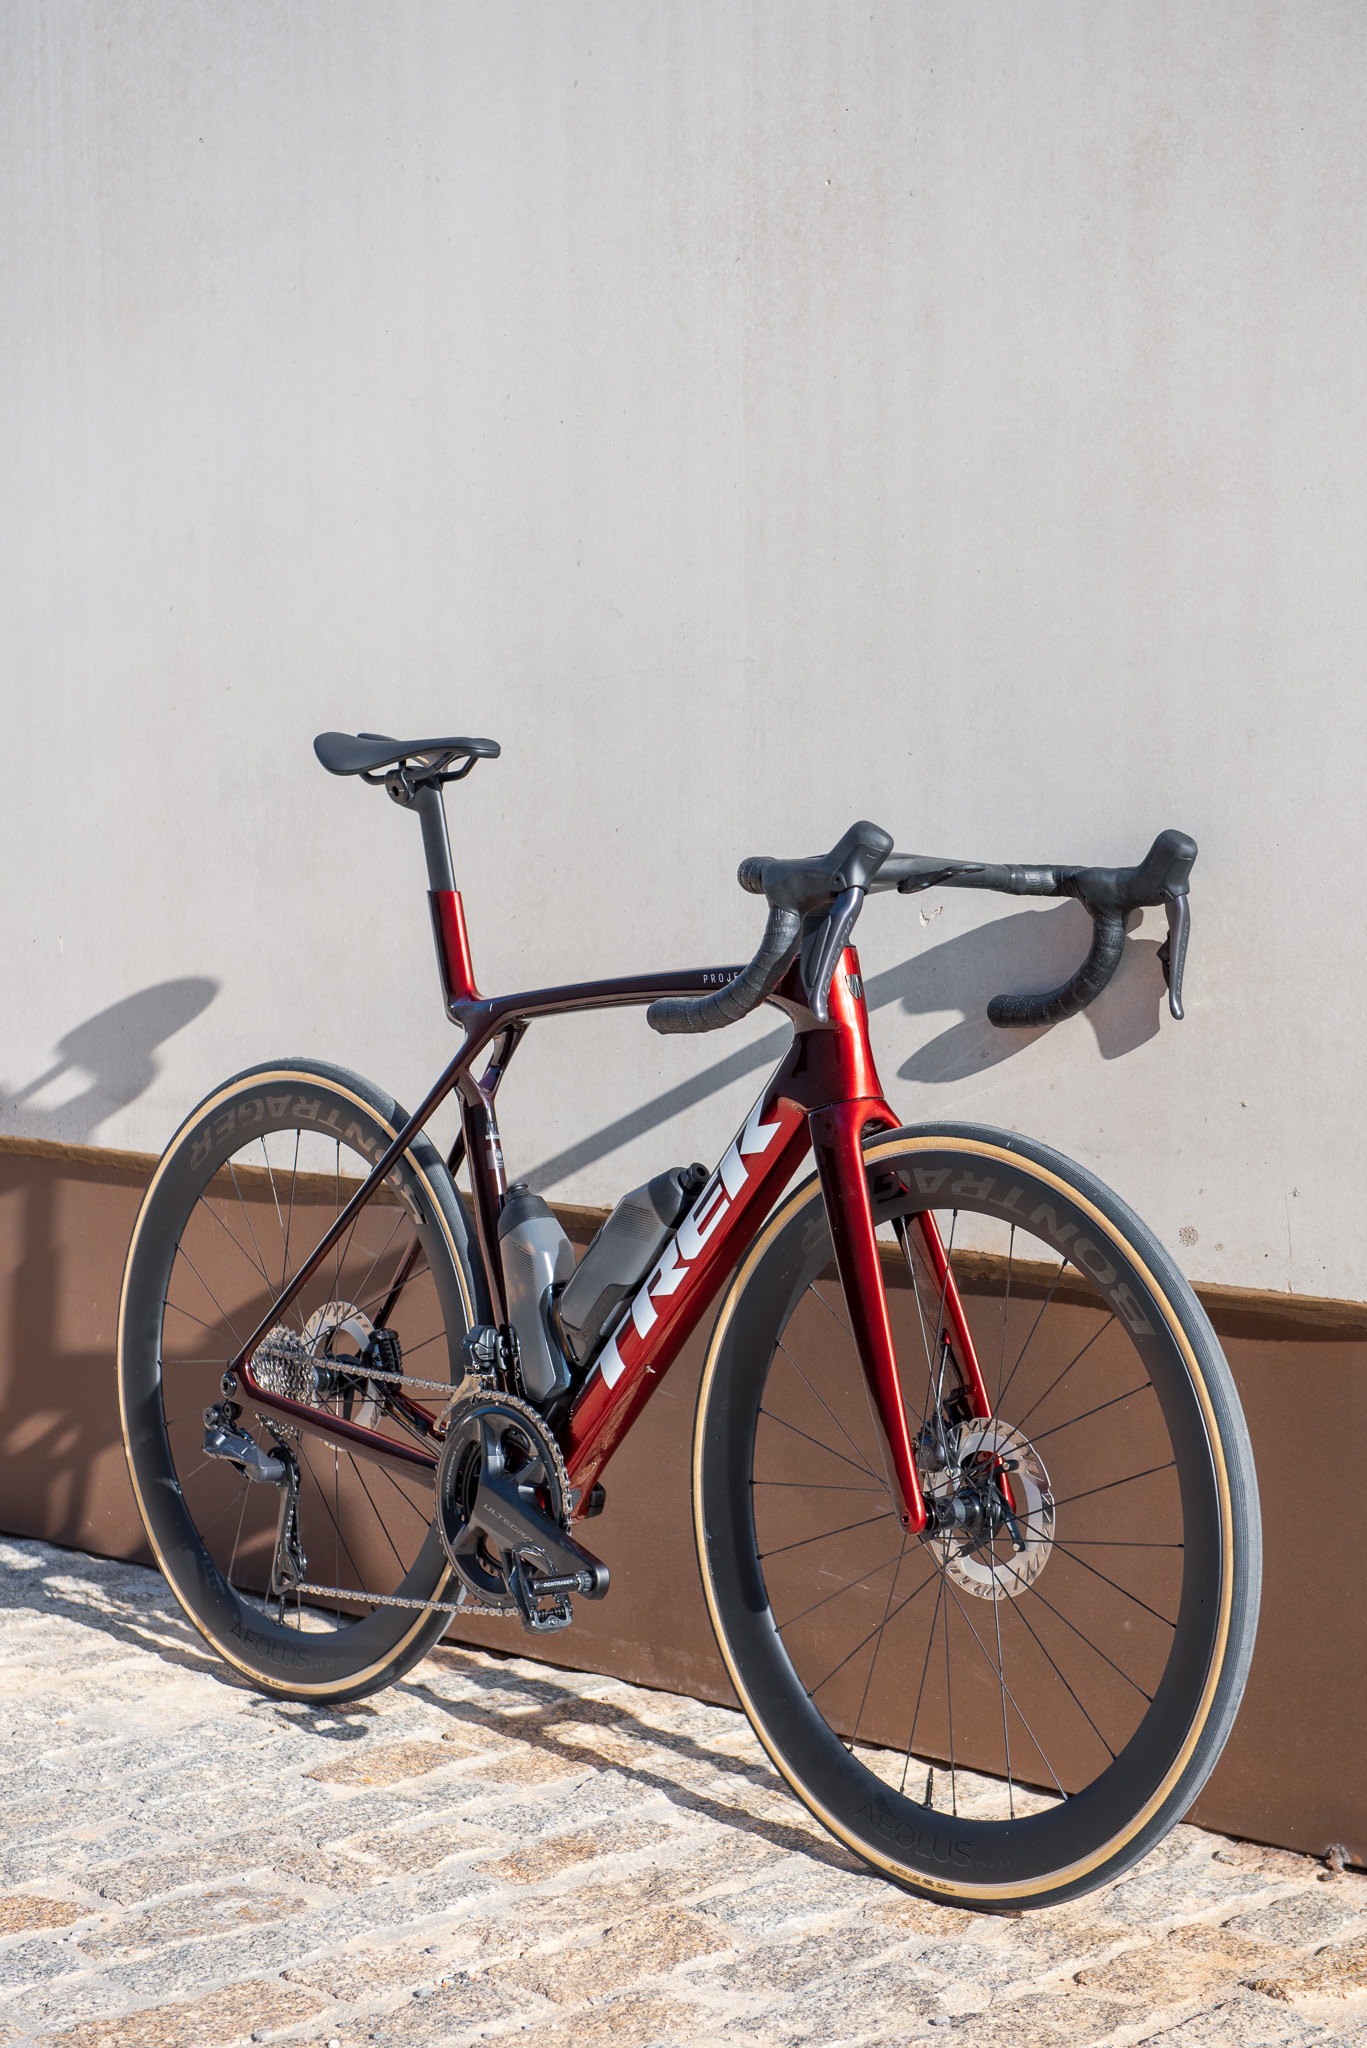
<point>1014,1707</point>
<point>242,1195</point>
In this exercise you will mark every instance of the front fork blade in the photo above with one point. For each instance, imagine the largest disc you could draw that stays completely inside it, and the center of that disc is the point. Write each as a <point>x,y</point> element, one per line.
<point>837,1145</point>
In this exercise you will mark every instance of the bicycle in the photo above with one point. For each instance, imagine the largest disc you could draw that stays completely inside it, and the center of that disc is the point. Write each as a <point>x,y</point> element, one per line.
<point>975,1508</point>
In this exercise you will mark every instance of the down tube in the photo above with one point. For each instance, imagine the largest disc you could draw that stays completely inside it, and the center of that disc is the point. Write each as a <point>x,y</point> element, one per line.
<point>676,1294</point>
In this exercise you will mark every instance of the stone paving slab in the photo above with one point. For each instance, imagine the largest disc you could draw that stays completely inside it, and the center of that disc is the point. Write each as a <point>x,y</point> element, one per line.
<point>494,1849</point>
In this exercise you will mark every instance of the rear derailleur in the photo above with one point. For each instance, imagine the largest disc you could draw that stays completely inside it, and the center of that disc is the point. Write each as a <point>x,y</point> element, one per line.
<point>279,1466</point>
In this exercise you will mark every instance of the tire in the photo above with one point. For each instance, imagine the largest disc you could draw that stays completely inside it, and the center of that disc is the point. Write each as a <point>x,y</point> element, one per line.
<point>999,1718</point>
<point>243,1193</point>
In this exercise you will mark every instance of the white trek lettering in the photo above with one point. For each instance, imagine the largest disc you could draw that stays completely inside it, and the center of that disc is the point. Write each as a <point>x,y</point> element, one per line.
<point>693,1233</point>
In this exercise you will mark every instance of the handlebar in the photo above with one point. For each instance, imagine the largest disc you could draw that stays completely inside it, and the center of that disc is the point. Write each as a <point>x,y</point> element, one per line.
<point>814,902</point>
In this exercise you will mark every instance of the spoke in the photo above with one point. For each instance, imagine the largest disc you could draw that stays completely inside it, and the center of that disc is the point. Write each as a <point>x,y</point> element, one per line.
<point>829,1486</point>
<point>831,1453</point>
<point>337,1200</point>
<point>270,1175</point>
<point>938,1380</point>
<point>1095,1648</point>
<point>843,1587</point>
<point>182,1253</point>
<point>289,1220</point>
<point>1087,1413</point>
<point>245,1496</point>
<point>174,1308</point>
<point>322,1495</point>
<point>238,1537</point>
<point>204,1203</point>
<point>930,1645</point>
<point>400,1218</point>
<point>949,1694</point>
<point>781,1346</point>
<point>904,1239</point>
<point>407,1498</point>
<point>821,1536</point>
<point>863,1702</point>
<point>1001,1674</point>
<point>1117,1588</point>
<point>403,1570</point>
<point>1063,1267</point>
<point>812,1692</point>
<point>812,1288</point>
<point>247,1219</point>
<point>864,1382</point>
<point>1111,1484</point>
<point>1001,1359</point>
<point>1066,1370</point>
<point>949,1587</point>
<point>1024,1619</point>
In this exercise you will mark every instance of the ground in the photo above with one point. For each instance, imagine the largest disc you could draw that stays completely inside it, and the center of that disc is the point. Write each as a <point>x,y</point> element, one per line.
<point>493,1848</point>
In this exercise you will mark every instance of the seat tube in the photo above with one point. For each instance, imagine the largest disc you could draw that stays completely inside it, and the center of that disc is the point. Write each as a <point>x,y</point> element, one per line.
<point>837,1134</point>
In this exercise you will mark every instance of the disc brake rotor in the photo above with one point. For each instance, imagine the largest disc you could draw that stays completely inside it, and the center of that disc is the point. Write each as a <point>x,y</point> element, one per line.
<point>361,1401</point>
<point>993,1561</point>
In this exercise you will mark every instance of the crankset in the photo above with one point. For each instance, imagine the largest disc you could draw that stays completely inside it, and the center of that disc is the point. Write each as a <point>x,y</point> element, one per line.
<point>503,1512</point>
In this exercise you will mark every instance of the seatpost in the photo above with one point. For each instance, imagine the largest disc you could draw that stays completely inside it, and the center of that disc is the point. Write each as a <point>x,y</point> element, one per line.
<point>436,842</point>
<point>443,899</point>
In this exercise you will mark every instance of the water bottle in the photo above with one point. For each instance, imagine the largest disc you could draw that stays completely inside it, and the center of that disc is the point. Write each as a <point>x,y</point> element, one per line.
<point>537,1256</point>
<point>620,1257</point>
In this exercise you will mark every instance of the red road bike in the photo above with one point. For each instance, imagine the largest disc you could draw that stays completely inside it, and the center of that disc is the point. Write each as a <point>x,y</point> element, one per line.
<point>975,1507</point>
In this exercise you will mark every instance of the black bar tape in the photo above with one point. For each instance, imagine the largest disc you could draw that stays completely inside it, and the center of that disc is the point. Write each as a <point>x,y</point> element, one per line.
<point>778,949</point>
<point>1108,943</point>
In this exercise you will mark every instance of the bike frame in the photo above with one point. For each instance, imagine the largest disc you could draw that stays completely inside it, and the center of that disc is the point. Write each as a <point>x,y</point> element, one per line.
<point>823,1096</point>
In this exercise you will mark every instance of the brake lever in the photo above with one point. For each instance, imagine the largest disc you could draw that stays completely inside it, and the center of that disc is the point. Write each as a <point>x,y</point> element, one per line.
<point>840,919</point>
<point>1172,954</point>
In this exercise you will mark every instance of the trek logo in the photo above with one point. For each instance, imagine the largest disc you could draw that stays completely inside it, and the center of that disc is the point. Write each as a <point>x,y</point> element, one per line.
<point>692,1234</point>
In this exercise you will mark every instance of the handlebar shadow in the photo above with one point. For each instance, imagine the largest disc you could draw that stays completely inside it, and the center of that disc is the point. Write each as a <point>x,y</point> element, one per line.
<point>1030,950</point>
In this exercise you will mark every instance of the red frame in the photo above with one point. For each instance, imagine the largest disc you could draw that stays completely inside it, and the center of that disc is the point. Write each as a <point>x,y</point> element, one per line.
<point>824,1094</point>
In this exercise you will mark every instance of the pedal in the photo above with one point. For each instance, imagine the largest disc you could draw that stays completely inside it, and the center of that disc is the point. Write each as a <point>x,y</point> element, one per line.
<point>528,1587</point>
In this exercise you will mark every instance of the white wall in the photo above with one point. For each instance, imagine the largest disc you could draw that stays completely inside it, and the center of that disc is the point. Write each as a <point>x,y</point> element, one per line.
<point>755,417</point>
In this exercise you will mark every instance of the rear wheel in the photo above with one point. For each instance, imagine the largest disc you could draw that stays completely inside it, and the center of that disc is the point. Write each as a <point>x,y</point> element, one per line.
<point>241,1197</point>
<point>1014,1707</point>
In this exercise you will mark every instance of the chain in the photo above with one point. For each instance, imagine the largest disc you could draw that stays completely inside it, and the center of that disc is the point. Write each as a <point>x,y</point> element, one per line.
<point>396,1600</point>
<point>392,1379</point>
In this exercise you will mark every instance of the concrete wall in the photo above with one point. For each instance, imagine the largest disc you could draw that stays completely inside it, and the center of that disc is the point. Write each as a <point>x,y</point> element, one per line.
<point>756,417</point>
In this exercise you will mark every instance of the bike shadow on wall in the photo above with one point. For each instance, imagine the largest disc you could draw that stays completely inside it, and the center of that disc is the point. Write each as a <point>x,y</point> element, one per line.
<point>64,1227</point>
<point>1031,950</point>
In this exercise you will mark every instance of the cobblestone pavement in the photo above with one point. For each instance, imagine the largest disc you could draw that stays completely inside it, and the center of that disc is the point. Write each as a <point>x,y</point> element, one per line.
<point>493,1849</point>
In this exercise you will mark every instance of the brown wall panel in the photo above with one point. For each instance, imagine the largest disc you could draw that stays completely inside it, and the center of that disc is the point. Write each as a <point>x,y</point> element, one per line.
<point>1290,1775</point>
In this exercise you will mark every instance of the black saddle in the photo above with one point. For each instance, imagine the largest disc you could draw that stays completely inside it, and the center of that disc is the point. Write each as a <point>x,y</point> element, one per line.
<point>367,753</point>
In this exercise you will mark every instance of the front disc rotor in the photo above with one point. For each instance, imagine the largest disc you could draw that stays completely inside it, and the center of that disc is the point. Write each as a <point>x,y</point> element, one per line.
<point>993,1561</point>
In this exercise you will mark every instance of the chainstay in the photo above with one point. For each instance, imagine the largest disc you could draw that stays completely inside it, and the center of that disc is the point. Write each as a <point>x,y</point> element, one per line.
<point>397,1600</point>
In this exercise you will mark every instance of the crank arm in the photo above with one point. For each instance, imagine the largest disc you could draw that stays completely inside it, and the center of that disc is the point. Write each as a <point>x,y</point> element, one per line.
<point>514,1524</point>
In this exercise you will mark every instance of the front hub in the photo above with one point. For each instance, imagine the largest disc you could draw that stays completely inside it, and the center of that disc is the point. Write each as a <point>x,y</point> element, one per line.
<point>989,1508</point>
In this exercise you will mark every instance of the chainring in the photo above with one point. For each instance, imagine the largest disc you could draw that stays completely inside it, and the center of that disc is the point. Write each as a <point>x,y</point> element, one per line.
<point>531,1457</point>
